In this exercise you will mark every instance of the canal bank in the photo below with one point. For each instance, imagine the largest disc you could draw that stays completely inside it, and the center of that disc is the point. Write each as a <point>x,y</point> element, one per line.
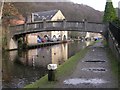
<point>90,68</point>
<point>37,45</point>
<point>21,68</point>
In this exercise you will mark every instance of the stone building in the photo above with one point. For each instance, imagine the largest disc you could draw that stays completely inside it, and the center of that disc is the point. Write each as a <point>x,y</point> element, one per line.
<point>52,15</point>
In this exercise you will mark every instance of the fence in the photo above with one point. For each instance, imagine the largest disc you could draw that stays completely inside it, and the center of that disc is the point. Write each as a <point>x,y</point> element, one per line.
<point>115,30</point>
<point>114,39</point>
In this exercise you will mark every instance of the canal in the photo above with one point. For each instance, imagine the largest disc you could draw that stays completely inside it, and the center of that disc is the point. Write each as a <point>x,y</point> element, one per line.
<point>20,68</point>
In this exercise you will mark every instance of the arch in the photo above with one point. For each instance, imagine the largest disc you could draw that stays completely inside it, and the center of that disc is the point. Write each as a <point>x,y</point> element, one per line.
<point>59,37</point>
<point>54,38</point>
<point>64,37</point>
<point>47,37</point>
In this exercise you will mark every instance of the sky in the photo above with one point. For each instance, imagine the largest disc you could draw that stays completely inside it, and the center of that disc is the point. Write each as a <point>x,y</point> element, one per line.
<point>96,4</point>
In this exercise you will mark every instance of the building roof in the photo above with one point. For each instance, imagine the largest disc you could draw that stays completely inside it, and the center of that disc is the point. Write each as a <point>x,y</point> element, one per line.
<point>47,15</point>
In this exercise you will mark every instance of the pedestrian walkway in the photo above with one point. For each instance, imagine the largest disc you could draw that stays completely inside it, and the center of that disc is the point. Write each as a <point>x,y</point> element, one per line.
<point>93,71</point>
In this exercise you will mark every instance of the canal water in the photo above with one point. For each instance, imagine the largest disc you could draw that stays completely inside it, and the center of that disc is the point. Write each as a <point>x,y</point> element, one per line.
<point>20,68</point>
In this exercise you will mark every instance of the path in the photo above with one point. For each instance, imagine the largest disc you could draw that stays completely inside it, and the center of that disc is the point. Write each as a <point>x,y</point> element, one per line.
<point>93,71</point>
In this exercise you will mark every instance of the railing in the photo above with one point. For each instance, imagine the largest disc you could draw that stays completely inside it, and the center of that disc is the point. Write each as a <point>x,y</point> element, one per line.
<point>27,27</point>
<point>114,40</point>
<point>57,25</point>
<point>115,31</point>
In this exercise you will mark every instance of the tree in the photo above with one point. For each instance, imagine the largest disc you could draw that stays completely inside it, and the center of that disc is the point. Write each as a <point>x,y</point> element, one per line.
<point>109,13</point>
<point>117,22</point>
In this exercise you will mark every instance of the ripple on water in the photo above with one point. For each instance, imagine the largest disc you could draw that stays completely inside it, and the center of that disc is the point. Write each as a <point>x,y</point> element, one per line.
<point>76,81</point>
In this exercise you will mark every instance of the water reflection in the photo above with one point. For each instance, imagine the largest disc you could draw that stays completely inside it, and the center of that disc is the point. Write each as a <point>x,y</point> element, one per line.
<point>41,57</point>
<point>59,54</point>
<point>24,67</point>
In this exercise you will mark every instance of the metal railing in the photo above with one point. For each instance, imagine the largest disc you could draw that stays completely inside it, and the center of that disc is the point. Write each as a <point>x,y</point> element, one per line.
<point>114,39</point>
<point>115,31</point>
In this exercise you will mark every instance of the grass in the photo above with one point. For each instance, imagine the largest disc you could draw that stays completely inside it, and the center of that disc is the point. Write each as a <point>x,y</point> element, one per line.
<point>115,65</point>
<point>62,71</point>
<point>113,61</point>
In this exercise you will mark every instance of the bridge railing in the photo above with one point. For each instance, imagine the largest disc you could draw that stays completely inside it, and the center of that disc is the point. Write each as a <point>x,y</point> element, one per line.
<point>52,24</point>
<point>57,25</point>
<point>95,26</point>
<point>17,27</point>
<point>32,26</point>
<point>47,25</point>
<point>74,24</point>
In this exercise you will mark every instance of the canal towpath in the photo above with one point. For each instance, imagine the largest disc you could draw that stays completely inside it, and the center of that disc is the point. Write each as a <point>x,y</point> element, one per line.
<point>92,71</point>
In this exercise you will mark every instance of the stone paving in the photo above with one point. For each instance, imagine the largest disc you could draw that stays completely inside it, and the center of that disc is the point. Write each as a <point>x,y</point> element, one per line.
<point>93,71</point>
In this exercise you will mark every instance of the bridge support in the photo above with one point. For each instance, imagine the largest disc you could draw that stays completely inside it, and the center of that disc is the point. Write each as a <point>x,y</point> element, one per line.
<point>17,43</point>
<point>13,44</point>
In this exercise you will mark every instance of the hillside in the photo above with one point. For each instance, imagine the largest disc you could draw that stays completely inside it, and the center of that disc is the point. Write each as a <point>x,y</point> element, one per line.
<point>11,15</point>
<point>70,10</point>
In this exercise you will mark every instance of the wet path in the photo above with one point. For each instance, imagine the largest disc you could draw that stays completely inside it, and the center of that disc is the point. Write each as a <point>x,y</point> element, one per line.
<point>93,71</point>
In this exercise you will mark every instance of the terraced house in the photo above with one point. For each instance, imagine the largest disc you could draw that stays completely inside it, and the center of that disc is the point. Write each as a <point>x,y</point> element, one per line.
<point>52,15</point>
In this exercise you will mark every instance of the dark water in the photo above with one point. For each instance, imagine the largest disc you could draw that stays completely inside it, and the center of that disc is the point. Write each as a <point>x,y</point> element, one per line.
<point>24,67</point>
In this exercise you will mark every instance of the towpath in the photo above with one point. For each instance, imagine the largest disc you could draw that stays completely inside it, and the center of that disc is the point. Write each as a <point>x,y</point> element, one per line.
<point>93,71</point>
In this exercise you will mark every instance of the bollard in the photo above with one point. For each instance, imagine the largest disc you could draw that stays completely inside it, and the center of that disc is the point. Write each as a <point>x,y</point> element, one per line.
<point>51,71</point>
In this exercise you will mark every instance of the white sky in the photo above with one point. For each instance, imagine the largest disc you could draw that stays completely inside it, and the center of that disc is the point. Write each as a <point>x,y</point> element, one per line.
<point>96,4</point>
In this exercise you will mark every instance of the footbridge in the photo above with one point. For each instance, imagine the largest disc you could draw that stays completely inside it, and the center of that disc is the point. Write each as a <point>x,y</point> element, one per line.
<point>15,32</point>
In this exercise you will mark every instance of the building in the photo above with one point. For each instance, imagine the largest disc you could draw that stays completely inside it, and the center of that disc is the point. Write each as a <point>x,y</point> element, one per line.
<point>52,15</point>
<point>92,36</point>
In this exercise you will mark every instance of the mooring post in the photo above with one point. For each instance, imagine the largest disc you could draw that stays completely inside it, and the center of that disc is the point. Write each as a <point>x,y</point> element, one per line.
<point>52,72</point>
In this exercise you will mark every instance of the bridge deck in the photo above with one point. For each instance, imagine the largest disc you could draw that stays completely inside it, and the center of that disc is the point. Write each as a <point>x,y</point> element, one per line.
<point>57,26</point>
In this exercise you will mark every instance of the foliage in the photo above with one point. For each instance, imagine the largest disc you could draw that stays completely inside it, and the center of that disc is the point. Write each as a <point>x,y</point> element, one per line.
<point>117,21</point>
<point>10,12</point>
<point>109,13</point>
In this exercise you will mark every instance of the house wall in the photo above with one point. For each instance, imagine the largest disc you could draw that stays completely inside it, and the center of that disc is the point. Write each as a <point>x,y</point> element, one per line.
<point>89,35</point>
<point>64,33</point>
<point>56,17</point>
<point>31,38</point>
<point>42,34</point>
